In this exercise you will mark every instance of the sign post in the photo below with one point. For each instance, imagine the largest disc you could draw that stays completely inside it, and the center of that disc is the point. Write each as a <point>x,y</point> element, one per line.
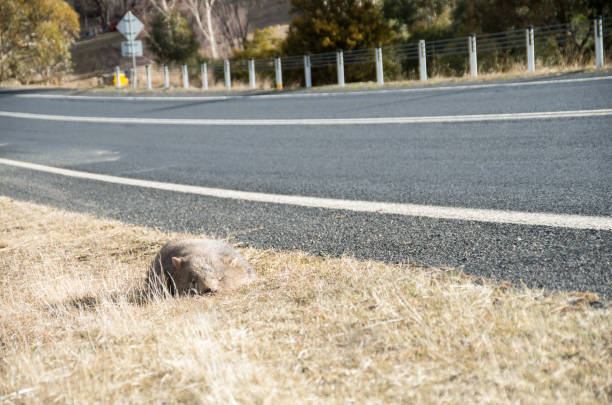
<point>130,27</point>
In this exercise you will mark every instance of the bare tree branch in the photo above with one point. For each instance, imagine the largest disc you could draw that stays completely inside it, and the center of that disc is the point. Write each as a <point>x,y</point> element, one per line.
<point>233,21</point>
<point>201,12</point>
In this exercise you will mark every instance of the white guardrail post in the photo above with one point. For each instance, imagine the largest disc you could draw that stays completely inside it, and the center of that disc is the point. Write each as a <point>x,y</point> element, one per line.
<point>340,67</point>
<point>599,50</point>
<point>307,74</point>
<point>117,77</point>
<point>185,77</point>
<point>422,60</point>
<point>530,49</point>
<point>227,74</point>
<point>473,56</point>
<point>252,73</point>
<point>279,73</point>
<point>148,74</point>
<point>204,71</point>
<point>166,78</point>
<point>379,67</point>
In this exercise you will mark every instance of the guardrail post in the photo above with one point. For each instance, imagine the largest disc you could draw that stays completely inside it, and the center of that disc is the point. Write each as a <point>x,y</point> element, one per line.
<point>252,73</point>
<point>307,73</point>
<point>166,78</point>
<point>279,73</point>
<point>204,71</point>
<point>340,67</point>
<point>148,74</point>
<point>473,57</point>
<point>379,67</point>
<point>599,49</point>
<point>185,77</point>
<point>422,60</point>
<point>227,73</point>
<point>530,49</point>
<point>117,77</point>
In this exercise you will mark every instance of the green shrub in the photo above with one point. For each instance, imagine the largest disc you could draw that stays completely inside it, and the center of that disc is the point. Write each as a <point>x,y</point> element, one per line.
<point>172,39</point>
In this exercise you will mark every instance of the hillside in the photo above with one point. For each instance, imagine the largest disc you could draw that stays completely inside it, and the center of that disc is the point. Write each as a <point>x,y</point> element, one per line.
<point>99,54</point>
<point>271,12</point>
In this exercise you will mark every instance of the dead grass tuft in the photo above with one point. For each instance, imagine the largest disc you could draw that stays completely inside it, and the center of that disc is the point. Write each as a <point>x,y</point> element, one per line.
<point>312,329</point>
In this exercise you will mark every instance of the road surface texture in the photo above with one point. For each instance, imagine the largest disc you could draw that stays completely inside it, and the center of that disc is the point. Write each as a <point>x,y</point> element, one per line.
<point>559,166</point>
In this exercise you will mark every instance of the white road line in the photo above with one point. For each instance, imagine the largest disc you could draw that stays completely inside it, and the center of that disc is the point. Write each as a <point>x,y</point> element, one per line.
<point>313,121</point>
<point>464,214</point>
<point>312,94</point>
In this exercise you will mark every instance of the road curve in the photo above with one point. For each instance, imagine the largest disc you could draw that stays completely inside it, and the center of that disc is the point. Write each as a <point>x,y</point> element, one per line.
<point>556,165</point>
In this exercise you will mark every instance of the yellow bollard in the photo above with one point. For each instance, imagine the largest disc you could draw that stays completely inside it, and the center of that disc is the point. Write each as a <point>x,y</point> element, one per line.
<point>122,78</point>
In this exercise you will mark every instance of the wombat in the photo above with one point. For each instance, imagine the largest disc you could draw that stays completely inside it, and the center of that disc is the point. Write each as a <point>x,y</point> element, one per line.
<point>197,266</point>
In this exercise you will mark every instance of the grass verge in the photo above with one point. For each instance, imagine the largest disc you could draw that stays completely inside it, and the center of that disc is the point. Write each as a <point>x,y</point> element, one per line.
<point>311,329</point>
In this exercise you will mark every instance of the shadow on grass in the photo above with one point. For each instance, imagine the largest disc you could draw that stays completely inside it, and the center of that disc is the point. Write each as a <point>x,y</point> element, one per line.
<point>138,296</point>
<point>133,296</point>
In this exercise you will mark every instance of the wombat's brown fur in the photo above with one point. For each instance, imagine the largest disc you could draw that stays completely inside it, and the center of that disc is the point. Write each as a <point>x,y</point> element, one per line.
<point>197,266</point>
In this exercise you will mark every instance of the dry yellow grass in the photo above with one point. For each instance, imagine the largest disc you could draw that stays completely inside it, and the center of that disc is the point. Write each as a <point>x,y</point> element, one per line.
<point>311,329</point>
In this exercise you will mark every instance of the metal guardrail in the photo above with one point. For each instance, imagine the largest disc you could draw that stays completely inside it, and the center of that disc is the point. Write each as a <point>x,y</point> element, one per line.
<point>416,54</point>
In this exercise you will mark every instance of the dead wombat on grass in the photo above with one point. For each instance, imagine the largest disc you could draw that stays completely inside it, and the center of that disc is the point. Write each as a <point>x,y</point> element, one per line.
<point>197,266</point>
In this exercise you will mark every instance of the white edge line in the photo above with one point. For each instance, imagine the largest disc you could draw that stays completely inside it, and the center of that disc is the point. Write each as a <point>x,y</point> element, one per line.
<point>313,121</point>
<point>313,94</point>
<point>416,210</point>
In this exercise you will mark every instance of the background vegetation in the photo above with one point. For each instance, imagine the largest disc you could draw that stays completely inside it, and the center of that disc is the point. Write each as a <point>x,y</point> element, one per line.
<point>322,26</point>
<point>172,39</point>
<point>328,26</point>
<point>35,37</point>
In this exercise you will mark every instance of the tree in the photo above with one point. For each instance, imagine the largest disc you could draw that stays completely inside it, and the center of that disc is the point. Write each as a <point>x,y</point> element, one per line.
<point>234,20</point>
<point>401,13</point>
<point>331,25</point>
<point>107,9</point>
<point>264,44</point>
<point>171,38</point>
<point>202,14</point>
<point>221,25</point>
<point>35,36</point>
<point>421,17</point>
<point>163,6</point>
<point>501,15</point>
<point>571,40</point>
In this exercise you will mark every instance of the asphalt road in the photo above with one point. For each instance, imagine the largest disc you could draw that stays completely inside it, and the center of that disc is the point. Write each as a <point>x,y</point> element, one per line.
<point>561,166</point>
